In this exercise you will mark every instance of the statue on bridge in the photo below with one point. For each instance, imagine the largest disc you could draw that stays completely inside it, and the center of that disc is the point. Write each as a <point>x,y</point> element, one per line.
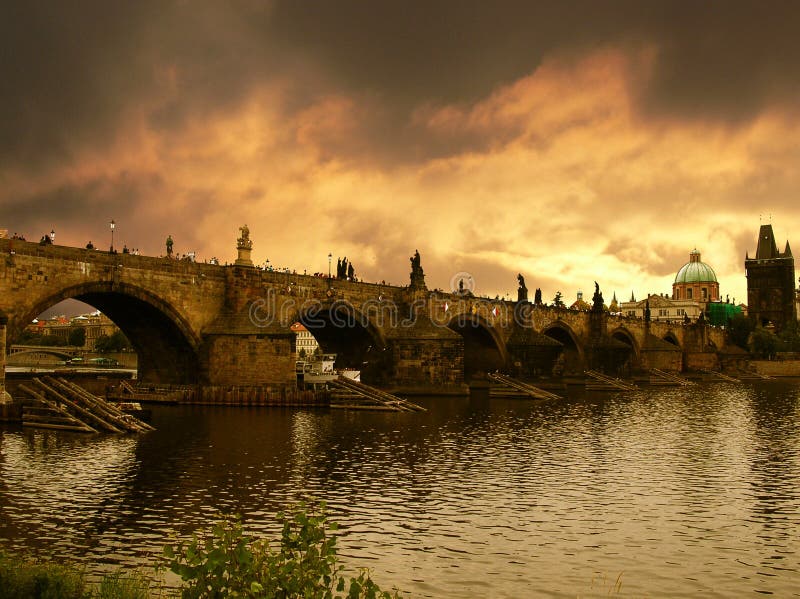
<point>522,292</point>
<point>244,245</point>
<point>244,242</point>
<point>537,297</point>
<point>417,274</point>
<point>597,299</point>
<point>169,246</point>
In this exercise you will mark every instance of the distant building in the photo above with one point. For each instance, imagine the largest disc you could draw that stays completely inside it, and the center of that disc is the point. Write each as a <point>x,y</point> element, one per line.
<point>662,308</point>
<point>580,303</point>
<point>696,281</point>
<point>305,341</point>
<point>613,307</point>
<point>95,324</point>
<point>771,294</point>
<point>695,291</point>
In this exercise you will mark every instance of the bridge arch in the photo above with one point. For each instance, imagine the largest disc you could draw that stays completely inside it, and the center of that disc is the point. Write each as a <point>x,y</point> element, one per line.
<point>353,335</point>
<point>168,348</point>
<point>670,337</point>
<point>624,335</point>
<point>573,354</point>
<point>484,348</point>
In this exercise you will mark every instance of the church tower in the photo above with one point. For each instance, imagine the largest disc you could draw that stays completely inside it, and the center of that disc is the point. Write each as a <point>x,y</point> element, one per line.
<point>770,282</point>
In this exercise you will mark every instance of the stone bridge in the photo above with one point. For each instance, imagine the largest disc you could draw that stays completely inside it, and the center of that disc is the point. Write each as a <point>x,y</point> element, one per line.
<point>230,325</point>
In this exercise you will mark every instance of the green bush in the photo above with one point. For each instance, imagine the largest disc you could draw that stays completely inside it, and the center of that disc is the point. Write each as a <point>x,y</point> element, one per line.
<point>33,579</point>
<point>226,563</point>
<point>30,579</point>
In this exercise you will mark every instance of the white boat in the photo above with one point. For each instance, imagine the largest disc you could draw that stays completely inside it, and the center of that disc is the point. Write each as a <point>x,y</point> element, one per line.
<point>320,369</point>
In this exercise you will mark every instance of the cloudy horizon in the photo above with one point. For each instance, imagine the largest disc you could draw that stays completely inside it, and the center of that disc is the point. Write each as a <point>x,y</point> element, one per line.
<point>570,142</point>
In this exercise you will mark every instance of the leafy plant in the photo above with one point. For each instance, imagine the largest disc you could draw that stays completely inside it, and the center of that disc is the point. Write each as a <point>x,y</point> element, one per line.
<point>225,562</point>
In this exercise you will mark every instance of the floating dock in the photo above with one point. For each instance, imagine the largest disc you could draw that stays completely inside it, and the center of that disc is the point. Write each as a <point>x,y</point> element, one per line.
<point>148,393</point>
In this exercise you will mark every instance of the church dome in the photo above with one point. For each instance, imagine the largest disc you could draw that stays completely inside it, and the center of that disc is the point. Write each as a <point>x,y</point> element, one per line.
<point>695,271</point>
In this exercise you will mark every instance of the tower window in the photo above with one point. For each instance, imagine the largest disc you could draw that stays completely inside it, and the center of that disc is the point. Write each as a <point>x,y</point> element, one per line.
<point>689,293</point>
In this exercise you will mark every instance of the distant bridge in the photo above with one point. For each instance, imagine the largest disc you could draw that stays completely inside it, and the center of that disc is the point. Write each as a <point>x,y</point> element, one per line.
<point>229,325</point>
<point>64,352</point>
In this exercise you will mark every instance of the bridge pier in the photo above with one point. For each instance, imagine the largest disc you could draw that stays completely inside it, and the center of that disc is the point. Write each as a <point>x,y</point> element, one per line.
<point>425,357</point>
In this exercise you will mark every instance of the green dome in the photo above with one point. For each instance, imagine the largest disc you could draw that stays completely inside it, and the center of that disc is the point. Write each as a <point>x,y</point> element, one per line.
<point>696,271</point>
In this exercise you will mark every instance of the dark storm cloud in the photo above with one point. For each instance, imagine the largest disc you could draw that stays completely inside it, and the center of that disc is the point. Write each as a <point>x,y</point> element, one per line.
<point>73,71</point>
<point>69,72</point>
<point>82,211</point>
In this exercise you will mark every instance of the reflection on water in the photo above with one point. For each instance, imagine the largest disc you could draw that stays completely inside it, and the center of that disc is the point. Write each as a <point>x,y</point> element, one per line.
<point>667,492</point>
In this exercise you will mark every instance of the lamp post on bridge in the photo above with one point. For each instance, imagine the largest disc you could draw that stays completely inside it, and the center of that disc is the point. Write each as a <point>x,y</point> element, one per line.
<point>330,257</point>
<point>52,235</point>
<point>112,224</point>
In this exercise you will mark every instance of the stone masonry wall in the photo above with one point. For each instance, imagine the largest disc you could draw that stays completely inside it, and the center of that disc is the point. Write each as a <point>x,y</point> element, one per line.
<point>249,360</point>
<point>427,362</point>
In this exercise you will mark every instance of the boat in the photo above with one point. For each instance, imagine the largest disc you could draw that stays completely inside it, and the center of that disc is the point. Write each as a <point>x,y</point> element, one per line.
<point>320,370</point>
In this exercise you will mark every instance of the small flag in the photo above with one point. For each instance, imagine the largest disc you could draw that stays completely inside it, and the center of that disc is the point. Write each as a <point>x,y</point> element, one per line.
<point>446,306</point>
<point>494,311</point>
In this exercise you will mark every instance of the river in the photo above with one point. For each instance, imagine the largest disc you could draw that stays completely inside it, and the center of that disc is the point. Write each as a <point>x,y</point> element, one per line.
<point>662,492</point>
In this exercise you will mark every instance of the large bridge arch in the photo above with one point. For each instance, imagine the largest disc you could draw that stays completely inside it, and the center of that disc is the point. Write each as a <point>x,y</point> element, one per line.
<point>168,349</point>
<point>484,348</point>
<point>574,359</point>
<point>353,335</point>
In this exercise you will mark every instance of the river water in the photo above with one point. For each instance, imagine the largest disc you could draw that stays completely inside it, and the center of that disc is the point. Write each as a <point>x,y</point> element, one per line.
<point>675,492</point>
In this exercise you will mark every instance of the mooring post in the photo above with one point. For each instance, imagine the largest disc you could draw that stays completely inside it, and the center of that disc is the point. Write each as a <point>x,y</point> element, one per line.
<point>3,322</point>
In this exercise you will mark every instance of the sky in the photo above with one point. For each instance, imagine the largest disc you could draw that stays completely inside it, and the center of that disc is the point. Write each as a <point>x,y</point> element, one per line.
<point>570,141</point>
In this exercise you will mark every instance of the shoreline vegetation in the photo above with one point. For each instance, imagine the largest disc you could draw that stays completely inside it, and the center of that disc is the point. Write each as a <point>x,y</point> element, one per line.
<point>218,562</point>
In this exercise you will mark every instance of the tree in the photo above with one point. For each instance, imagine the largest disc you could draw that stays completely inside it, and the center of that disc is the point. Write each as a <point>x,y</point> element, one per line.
<point>557,301</point>
<point>53,341</point>
<point>77,336</point>
<point>29,338</point>
<point>790,338</point>
<point>116,342</point>
<point>739,329</point>
<point>763,343</point>
<point>302,353</point>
